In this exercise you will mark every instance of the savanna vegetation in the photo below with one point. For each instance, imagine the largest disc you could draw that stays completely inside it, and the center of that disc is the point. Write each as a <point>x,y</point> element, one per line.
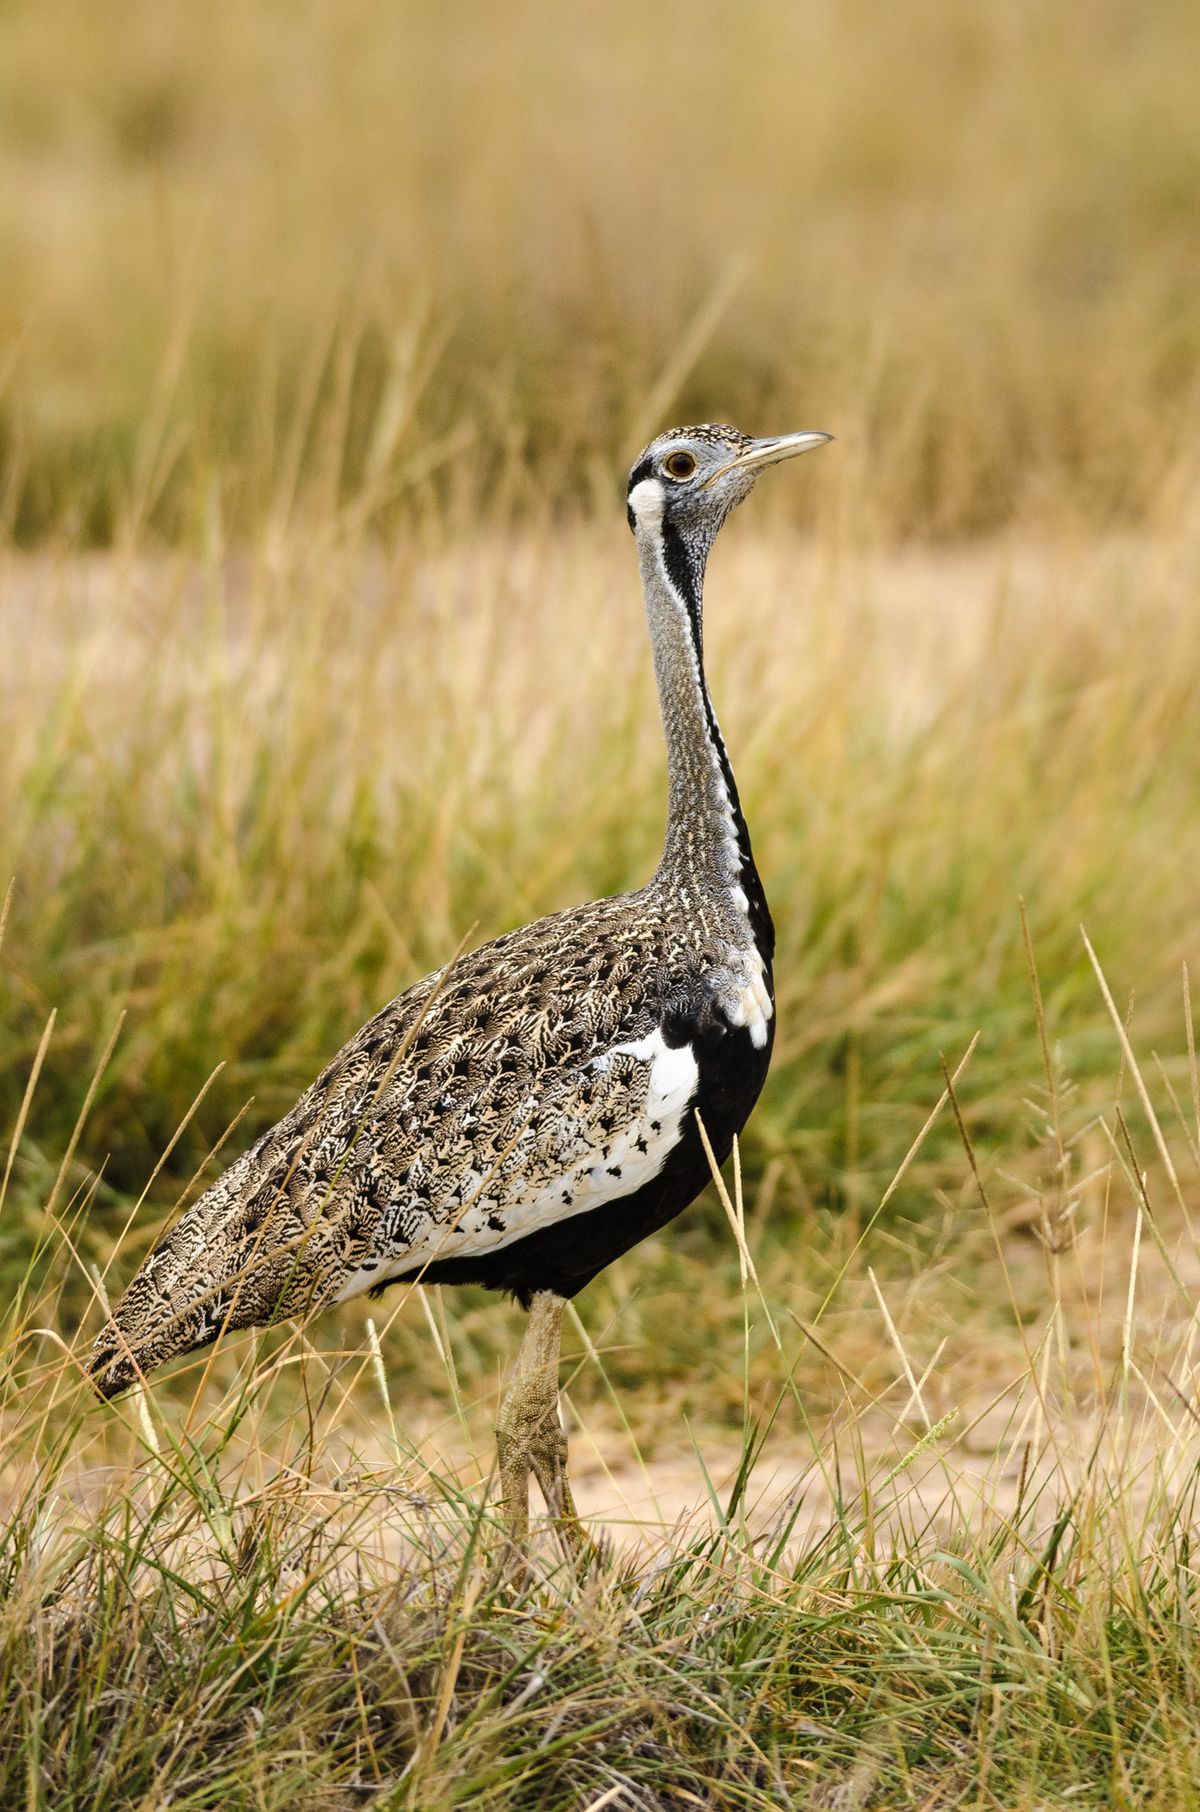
<point>325,336</point>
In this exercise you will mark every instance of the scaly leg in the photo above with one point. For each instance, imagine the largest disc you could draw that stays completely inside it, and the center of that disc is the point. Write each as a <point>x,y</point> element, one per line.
<point>531,1438</point>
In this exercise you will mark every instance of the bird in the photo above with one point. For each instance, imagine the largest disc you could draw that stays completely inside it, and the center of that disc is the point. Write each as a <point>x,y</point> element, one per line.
<point>528,1113</point>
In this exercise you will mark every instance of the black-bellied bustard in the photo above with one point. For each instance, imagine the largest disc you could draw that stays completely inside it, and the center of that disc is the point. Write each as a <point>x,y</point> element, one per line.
<point>524,1117</point>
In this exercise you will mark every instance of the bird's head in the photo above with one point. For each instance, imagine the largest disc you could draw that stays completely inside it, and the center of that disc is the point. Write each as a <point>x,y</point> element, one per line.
<point>686,482</point>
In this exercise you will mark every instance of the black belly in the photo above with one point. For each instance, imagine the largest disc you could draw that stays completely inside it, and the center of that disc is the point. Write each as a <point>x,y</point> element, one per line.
<point>567,1255</point>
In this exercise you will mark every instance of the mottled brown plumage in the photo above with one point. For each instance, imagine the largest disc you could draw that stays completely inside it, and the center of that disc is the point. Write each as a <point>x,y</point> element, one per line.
<point>475,1090</point>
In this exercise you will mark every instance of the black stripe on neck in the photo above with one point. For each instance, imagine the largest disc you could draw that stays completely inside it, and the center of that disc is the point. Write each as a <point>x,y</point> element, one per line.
<point>685,579</point>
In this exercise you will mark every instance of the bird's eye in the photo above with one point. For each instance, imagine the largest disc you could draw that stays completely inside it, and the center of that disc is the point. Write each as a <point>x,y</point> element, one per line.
<point>679,465</point>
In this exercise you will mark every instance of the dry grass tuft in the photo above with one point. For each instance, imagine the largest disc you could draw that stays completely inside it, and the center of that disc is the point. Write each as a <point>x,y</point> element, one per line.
<point>259,262</point>
<point>323,336</point>
<point>936,1568</point>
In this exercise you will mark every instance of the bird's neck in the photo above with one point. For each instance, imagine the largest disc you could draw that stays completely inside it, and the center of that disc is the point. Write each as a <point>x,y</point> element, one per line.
<point>707,847</point>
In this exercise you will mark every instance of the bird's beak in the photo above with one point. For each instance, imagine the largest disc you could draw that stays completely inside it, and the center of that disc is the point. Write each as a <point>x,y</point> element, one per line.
<point>768,452</point>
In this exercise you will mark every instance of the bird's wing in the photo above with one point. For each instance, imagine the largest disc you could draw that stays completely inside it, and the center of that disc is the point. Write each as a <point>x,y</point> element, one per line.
<point>540,1076</point>
<point>515,1094</point>
<point>567,1142</point>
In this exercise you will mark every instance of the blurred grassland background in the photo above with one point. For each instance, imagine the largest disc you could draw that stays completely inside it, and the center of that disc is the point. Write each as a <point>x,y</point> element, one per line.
<point>253,248</point>
<point>326,334</point>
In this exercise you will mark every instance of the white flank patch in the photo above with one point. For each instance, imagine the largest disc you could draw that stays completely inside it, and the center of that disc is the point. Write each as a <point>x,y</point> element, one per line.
<point>593,1179</point>
<point>674,1074</point>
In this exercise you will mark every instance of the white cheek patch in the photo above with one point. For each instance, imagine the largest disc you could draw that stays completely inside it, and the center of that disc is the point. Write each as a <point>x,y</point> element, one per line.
<point>646,501</point>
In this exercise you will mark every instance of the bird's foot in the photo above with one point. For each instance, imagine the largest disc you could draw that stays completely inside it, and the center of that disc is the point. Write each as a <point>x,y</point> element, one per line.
<point>550,1469</point>
<point>530,1439</point>
<point>541,1455</point>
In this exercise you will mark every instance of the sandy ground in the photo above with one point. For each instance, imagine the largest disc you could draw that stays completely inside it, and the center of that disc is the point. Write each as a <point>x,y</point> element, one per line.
<point>974,1469</point>
<point>937,1487</point>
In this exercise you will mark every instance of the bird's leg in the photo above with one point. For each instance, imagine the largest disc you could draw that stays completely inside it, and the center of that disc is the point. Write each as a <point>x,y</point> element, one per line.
<point>529,1435</point>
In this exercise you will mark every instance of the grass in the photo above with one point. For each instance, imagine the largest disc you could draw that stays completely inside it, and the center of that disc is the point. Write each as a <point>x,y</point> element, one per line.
<point>325,334</point>
<point>932,1408</point>
<point>344,759</point>
<point>251,251</point>
<point>286,1593</point>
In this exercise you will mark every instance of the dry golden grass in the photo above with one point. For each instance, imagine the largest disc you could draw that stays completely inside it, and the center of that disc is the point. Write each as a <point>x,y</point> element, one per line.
<point>250,794</point>
<point>339,247</point>
<point>324,335</point>
<point>950,1562</point>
